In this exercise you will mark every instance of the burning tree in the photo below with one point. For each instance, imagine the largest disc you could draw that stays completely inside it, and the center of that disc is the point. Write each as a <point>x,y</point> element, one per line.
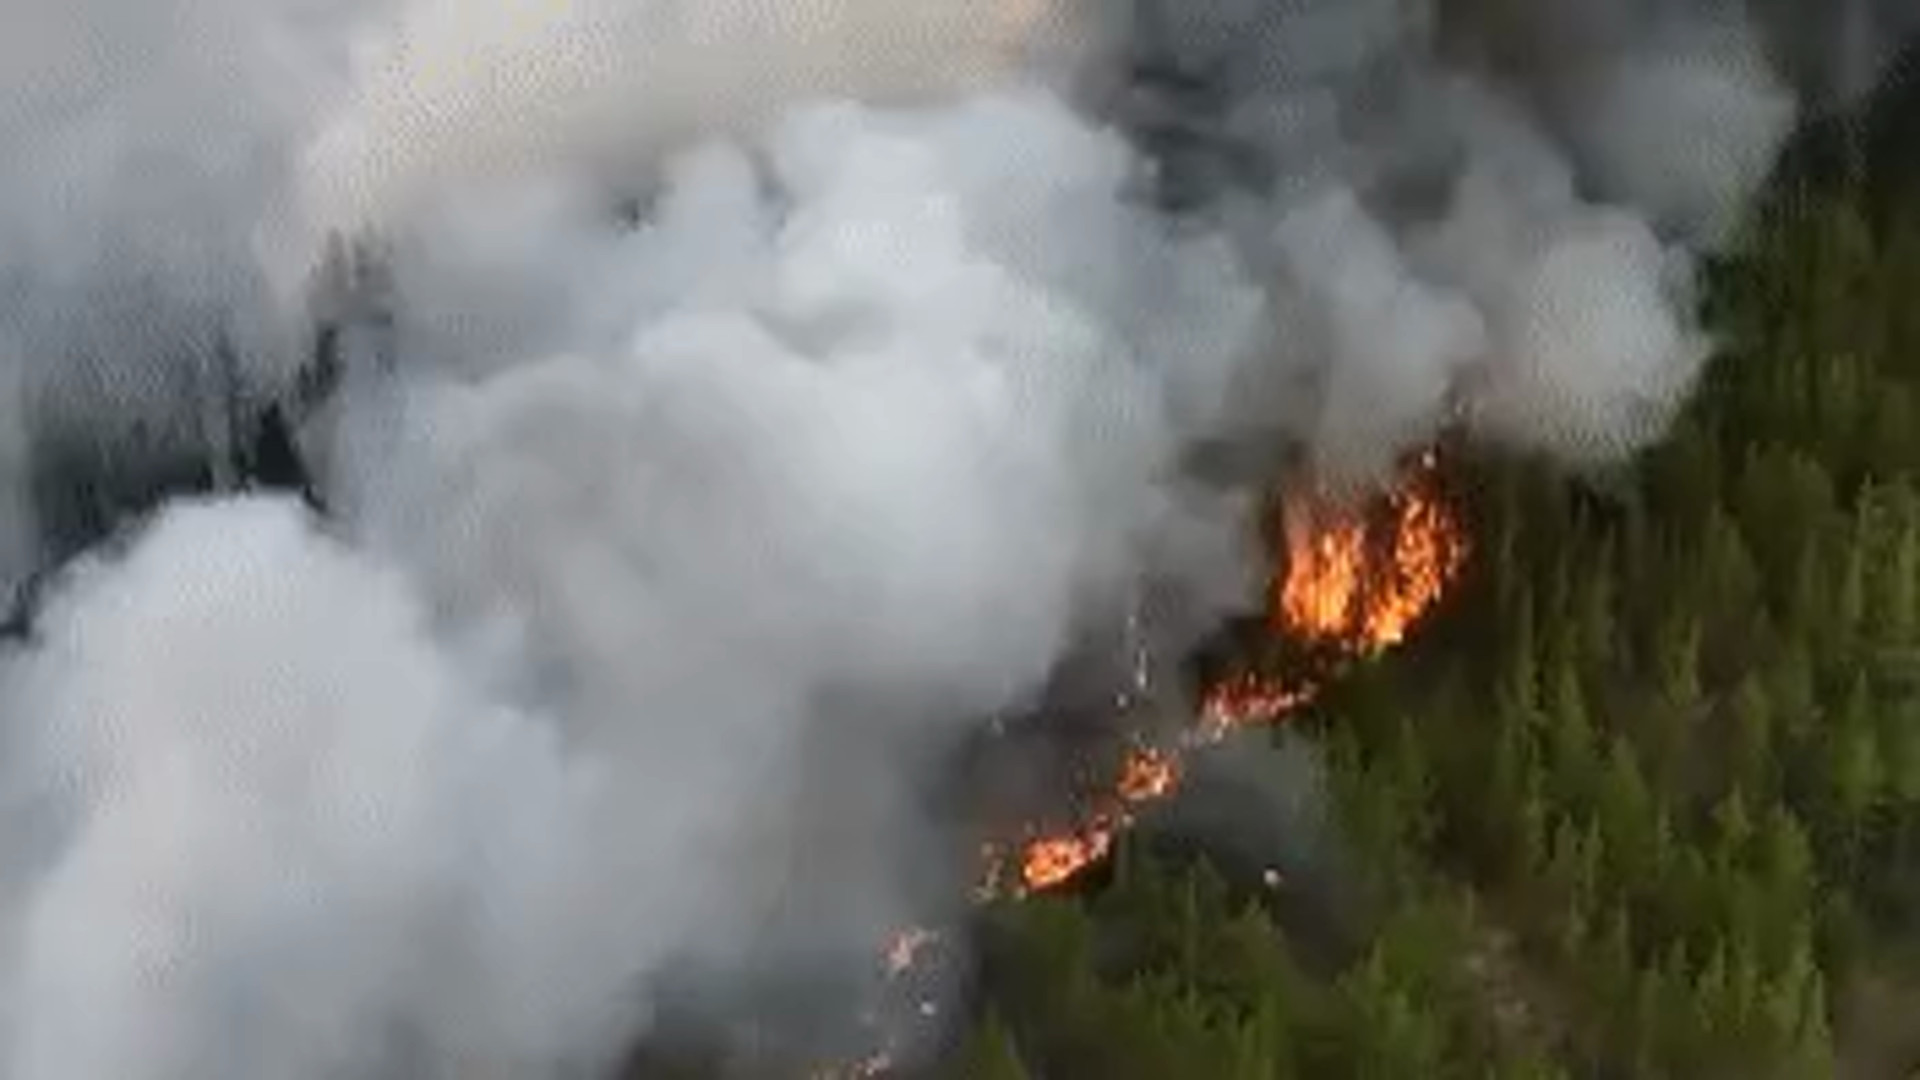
<point>1353,578</point>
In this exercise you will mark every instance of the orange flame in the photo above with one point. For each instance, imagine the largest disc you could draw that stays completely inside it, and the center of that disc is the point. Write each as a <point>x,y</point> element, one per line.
<point>1344,586</point>
<point>1246,700</point>
<point>1322,584</point>
<point>1053,860</point>
<point>1147,775</point>
<point>1354,580</point>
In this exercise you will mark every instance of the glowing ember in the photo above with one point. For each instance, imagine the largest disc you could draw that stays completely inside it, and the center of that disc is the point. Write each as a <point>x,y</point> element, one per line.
<point>1148,774</point>
<point>1246,700</point>
<point>906,947</point>
<point>1052,860</point>
<point>1355,581</point>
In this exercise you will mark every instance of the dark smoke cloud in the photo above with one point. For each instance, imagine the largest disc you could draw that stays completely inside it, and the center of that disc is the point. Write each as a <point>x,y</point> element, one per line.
<point>769,392</point>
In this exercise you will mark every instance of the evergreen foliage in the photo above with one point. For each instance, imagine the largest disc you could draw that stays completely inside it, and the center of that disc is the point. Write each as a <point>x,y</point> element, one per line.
<point>1643,801</point>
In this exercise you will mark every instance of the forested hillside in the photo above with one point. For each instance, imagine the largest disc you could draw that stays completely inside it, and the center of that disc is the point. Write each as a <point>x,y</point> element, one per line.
<point>1643,800</point>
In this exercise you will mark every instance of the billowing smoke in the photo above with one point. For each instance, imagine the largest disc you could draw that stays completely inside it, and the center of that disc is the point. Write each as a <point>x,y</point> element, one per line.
<point>460,95</point>
<point>258,822</point>
<point>1477,210</point>
<point>769,393</point>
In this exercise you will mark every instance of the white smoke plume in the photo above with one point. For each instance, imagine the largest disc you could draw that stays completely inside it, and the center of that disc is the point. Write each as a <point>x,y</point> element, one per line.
<point>255,817</point>
<point>459,94</point>
<point>660,549</point>
<point>829,455</point>
<point>1469,209</point>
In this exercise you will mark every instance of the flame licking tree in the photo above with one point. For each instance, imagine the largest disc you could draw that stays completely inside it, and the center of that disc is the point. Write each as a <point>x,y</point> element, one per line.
<point>1354,580</point>
<point>1351,583</point>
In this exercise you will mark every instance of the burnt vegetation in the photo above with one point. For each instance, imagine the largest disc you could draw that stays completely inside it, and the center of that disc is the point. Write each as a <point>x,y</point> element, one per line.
<point>1642,799</point>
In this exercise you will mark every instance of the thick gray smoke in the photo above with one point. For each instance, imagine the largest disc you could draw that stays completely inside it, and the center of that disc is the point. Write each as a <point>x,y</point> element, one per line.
<point>772,391</point>
<point>1465,210</point>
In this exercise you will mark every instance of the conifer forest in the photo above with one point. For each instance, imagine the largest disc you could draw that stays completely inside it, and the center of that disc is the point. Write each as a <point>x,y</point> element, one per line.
<point>960,540</point>
<point>1640,799</point>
